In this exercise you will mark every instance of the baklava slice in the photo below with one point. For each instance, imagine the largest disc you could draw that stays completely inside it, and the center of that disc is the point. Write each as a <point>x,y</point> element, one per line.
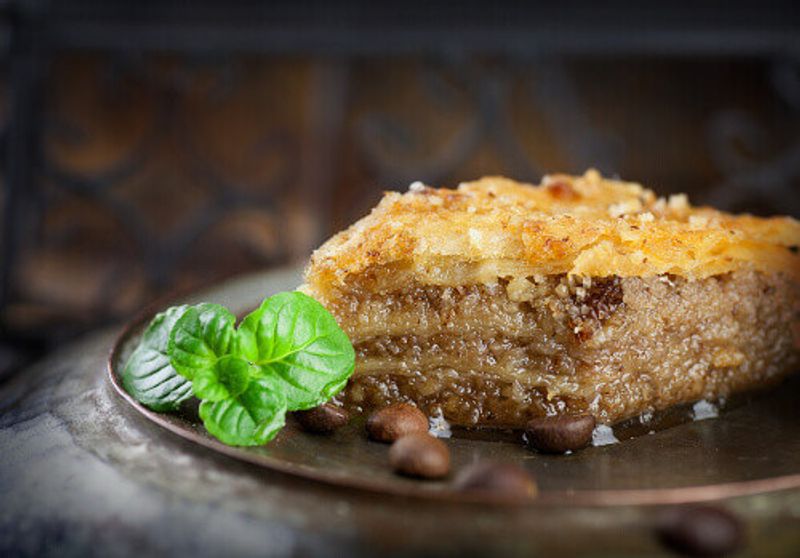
<point>498,301</point>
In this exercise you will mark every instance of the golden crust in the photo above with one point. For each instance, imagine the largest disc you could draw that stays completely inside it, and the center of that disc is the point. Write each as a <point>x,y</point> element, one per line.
<point>582,225</point>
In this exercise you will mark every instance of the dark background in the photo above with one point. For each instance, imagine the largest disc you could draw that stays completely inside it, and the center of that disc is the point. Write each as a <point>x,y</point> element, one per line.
<point>155,146</point>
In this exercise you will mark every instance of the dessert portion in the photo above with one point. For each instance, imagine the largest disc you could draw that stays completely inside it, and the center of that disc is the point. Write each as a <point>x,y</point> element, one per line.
<point>498,302</point>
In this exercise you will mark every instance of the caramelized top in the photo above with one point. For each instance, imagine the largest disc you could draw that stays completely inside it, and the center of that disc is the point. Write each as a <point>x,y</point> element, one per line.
<point>581,225</point>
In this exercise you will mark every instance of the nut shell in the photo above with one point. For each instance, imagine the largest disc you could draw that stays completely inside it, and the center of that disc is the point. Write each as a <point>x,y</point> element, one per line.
<point>323,419</point>
<point>701,530</point>
<point>560,434</point>
<point>500,480</point>
<point>420,455</point>
<point>395,421</point>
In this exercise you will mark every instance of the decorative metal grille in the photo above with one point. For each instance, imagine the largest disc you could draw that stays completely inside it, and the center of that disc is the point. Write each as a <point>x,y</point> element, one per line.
<point>151,152</point>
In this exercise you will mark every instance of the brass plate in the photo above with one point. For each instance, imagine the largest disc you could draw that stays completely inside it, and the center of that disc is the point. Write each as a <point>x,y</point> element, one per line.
<point>751,448</point>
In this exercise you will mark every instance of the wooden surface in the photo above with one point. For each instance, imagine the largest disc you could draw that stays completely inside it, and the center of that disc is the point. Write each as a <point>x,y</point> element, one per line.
<point>83,474</point>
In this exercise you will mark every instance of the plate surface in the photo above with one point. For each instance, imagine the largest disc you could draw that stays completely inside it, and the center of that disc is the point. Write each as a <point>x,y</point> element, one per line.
<point>752,447</point>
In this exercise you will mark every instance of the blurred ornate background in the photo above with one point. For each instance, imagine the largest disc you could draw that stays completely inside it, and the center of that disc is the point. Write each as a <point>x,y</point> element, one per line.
<point>155,146</point>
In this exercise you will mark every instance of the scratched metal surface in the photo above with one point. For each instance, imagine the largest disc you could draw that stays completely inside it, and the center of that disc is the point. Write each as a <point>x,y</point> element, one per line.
<point>82,473</point>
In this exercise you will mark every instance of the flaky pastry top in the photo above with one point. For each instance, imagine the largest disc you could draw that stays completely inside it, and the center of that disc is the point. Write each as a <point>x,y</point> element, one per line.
<point>580,225</point>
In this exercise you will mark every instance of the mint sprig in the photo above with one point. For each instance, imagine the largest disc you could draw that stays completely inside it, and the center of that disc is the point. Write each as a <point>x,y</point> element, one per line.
<point>226,379</point>
<point>202,335</point>
<point>251,418</point>
<point>303,350</point>
<point>289,354</point>
<point>148,375</point>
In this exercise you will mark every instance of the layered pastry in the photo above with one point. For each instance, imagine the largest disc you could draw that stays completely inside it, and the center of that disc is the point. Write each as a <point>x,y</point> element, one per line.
<point>496,302</point>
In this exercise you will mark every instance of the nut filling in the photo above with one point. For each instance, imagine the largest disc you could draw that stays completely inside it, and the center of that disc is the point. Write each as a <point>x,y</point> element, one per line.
<point>612,347</point>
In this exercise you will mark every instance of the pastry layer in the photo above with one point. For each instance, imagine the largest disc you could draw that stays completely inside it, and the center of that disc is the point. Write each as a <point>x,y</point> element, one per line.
<point>614,347</point>
<point>586,226</point>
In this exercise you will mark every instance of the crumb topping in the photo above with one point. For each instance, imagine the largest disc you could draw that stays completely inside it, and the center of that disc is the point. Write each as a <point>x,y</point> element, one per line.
<point>579,225</point>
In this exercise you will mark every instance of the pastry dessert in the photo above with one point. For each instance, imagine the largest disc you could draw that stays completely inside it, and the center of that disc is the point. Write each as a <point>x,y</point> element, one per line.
<point>498,301</point>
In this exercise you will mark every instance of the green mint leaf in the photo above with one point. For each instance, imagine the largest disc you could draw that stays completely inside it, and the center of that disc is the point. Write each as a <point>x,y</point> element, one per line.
<point>288,355</point>
<point>227,378</point>
<point>293,340</point>
<point>148,375</point>
<point>252,418</point>
<point>200,337</point>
